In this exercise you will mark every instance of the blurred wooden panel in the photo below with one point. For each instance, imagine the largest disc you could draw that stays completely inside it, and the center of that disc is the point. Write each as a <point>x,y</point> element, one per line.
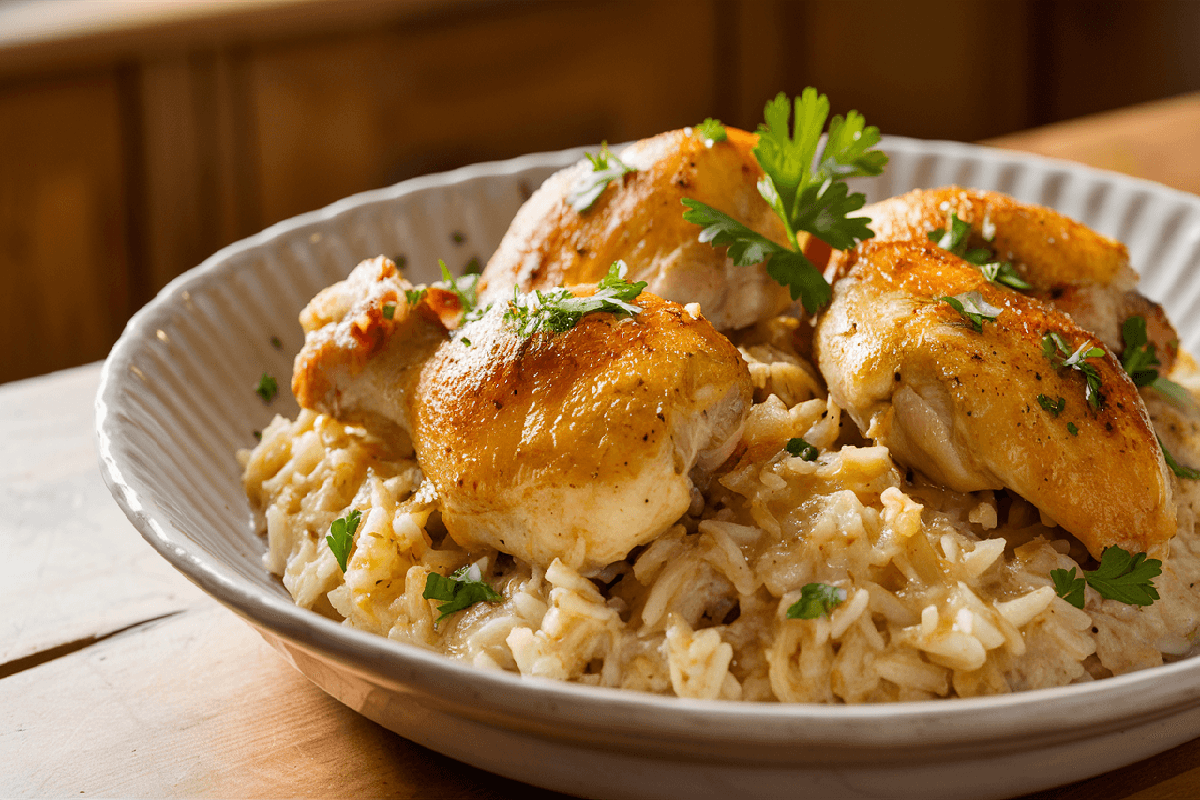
<point>942,69</point>
<point>63,256</point>
<point>338,116</point>
<point>200,191</point>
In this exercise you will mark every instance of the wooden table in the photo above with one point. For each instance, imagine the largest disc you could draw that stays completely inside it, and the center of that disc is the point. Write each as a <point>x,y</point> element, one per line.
<point>119,678</point>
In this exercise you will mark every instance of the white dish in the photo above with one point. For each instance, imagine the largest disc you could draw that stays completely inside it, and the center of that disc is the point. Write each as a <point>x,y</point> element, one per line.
<point>176,402</point>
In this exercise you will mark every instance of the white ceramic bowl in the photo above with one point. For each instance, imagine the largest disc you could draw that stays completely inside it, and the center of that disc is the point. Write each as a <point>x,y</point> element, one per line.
<point>176,402</point>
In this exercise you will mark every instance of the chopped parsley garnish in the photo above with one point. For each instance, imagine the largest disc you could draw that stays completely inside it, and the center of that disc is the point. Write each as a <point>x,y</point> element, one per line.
<point>466,288</point>
<point>466,342</point>
<point>606,168</point>
<point>711,131</point>
<point>814,201</point>
<point>1071,429</point>
<point>341,536</point>
<point>257,435</point>
<point>414,296</point>
<point>816,600</point>
<point>954,239</point>
<point>802,449</point>
<point>1141,361</point>
<point>1121,576</point>
<point>276,342</point>
<point>1187,473</point>
<point>463,589</point>
<point>558,310</point>
<point>473,266</point>
<point>1003,274</point>
<point>1055,407</point>
<point>267,388</point>
<point>1059,354</point>
<point>973,308</point>
<point>389,310</point>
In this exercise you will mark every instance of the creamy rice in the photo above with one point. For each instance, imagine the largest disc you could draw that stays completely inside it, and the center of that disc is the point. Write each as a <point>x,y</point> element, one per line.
<point>946,594</point>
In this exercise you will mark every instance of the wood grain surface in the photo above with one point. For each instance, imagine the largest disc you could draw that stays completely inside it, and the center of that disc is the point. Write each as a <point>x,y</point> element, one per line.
<point>118,678</point>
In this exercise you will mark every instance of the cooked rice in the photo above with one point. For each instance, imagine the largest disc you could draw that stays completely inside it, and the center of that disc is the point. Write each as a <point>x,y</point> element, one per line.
<point>946,594</point>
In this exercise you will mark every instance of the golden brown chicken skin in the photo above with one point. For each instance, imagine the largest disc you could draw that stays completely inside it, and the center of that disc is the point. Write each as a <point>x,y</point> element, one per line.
<point>962,406</point>
<point>1068,264</point>
<point>639,219</point>
<point>576,445</point>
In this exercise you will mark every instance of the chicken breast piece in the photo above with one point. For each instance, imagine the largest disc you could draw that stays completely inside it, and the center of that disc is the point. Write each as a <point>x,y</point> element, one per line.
<point>364,344</point>
<point>576,445</point>
<point>639,219</point>
<point>1079,271</point>
<point>963,406</point>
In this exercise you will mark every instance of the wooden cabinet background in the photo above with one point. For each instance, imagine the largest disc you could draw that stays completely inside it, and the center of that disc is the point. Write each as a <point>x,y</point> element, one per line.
<point>128,158</point>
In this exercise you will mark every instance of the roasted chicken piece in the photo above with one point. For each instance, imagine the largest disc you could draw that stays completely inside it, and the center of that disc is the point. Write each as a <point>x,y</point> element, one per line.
<point>966,407</point>
<point>577,445</point>
<point>1068,264</point>
<point>639,218</point>
<point>365,344</point>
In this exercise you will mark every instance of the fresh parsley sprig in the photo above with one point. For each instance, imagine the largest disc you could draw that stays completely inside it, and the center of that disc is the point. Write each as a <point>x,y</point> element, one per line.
<point>1121,576</point>
<point>954,238</point>
<point>1059,354</point>
<point>711,131</point>
<point>973,308</point>
<point>816,600</point>
<point>606,168</point>
<point>464,588</point>
<point>558,310</point>
<point>816,201</point>
<point>1140,360</point>
<point>341,536</point>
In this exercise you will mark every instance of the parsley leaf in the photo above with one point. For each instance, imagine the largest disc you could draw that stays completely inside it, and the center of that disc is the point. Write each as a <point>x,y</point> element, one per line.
<point>1002,273</point>
<point>414,296</point>
<point>1068,587</point>
<point>1071,429</point>
<point>973,308</point>
<point>816,201</point>
<point>389,310</point>
<point>1055,349</point>
<point>1125,577</point>
<point>1055,407</point>
<point>711,131</point>
<point>954,239</point>
<point>558,310</point>
<point>606,168</point>
<point>816,600</point>
<point>1121,576</point>
<point>276,342</point>
<point>463,589</point>
<point>802,449</point>
<point>341,536</point>
<point>267,388</point>
<point>1141,361</point>
<point>1180,471</point>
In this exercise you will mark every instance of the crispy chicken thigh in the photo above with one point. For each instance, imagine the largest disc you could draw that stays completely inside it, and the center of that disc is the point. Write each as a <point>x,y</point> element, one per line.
<point>962,406</point>
<point>1068,264</point>
<point>577,445</point>
<point>639,218</point>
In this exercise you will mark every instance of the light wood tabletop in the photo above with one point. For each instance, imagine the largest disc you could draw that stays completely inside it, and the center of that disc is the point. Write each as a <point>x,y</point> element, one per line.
<point>120,678</point>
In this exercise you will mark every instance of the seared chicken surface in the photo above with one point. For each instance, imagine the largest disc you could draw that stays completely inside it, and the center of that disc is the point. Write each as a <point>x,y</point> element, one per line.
<point>577,445</point>
<point>639,218</point>
<point>1068,264</point>
<point>962,406</point>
